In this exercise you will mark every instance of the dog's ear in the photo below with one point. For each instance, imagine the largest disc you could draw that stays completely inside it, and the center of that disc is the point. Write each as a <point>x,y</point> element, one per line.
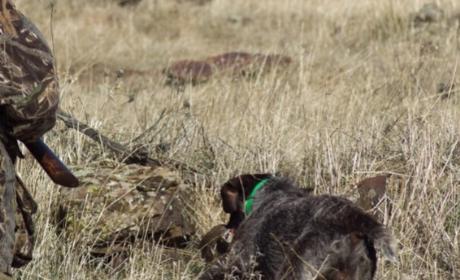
<point>235,190</point>
<point>230,198</point>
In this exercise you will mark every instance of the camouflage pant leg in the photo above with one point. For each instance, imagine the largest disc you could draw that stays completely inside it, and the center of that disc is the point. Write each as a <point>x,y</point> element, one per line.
<point>25,228</point>
<point>7,210</point>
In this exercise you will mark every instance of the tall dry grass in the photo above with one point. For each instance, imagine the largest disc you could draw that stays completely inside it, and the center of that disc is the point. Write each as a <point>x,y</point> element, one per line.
<point>361,99</point>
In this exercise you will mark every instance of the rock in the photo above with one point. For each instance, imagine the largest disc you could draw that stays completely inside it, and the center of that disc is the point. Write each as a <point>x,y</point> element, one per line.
<point>101,72</point>
<point>188,71</point>
<point>429,13</point>
<point>445,90</point>
<point>231,61</point>
<point>235,64</point>
<point>121,206</point>
<point>238,19</point>
<point>246,64</point>
<point>195,2</point>
<point>124,3</point>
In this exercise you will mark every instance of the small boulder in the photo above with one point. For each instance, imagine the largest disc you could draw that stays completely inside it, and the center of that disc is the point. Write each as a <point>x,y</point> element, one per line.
<point>195,2</point>
<point>231,61</point>
<point>246,64</point>
<point>234,64</point>
<point>188,71</point>
<point>124,3</point>
<point>445,90</point>
<point>429,13</point>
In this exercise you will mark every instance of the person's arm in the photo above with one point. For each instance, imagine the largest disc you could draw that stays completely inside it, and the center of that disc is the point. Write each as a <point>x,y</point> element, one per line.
<point>29,91</point>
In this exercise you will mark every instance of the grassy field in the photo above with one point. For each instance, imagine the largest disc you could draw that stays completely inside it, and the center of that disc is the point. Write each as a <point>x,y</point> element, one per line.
<point>370,91</point>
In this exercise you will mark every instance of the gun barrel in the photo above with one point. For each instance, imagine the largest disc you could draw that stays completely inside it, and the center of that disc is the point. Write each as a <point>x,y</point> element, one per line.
<point>52,165</point>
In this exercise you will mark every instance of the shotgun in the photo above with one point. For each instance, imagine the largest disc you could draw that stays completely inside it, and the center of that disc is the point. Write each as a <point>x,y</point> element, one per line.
<point>52,165</point>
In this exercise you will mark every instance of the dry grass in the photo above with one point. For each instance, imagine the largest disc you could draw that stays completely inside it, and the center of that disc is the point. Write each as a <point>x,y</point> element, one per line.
<point>360,100</point>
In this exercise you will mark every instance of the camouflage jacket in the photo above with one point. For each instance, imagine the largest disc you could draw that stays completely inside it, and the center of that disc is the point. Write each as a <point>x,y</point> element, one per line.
<point>29,99</point>
<point>29,93</point>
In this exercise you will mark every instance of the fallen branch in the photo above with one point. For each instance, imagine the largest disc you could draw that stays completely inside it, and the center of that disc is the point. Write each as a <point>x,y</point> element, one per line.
<point>138,156</point>
<point>126,155</point>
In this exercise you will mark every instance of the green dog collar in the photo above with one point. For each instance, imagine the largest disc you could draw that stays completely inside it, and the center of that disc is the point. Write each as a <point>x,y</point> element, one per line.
<point>250,198</point>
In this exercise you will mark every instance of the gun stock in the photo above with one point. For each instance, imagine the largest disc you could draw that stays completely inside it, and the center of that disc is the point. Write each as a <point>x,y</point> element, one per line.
<point>52,165</point>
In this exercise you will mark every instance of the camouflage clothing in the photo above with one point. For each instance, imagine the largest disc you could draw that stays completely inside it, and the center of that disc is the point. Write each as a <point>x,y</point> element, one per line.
<point>28,85</point>
<point>28,102</point>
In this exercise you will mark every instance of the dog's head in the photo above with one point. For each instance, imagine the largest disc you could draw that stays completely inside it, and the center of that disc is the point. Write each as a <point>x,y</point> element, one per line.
<point>235,191</point>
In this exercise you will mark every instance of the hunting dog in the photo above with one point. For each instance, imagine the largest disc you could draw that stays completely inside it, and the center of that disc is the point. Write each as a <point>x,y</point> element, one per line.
<point>284,232</point>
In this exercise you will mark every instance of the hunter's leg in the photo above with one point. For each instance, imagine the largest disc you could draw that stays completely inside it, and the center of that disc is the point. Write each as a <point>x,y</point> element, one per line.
<point>7,211</point>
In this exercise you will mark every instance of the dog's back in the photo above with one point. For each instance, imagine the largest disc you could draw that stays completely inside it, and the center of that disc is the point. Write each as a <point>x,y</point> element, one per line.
<point>294,235</point>
<point>321,254</point>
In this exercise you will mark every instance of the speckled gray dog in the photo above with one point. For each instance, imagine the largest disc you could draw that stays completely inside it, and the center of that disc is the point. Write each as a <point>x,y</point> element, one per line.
<point>292,234</point>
